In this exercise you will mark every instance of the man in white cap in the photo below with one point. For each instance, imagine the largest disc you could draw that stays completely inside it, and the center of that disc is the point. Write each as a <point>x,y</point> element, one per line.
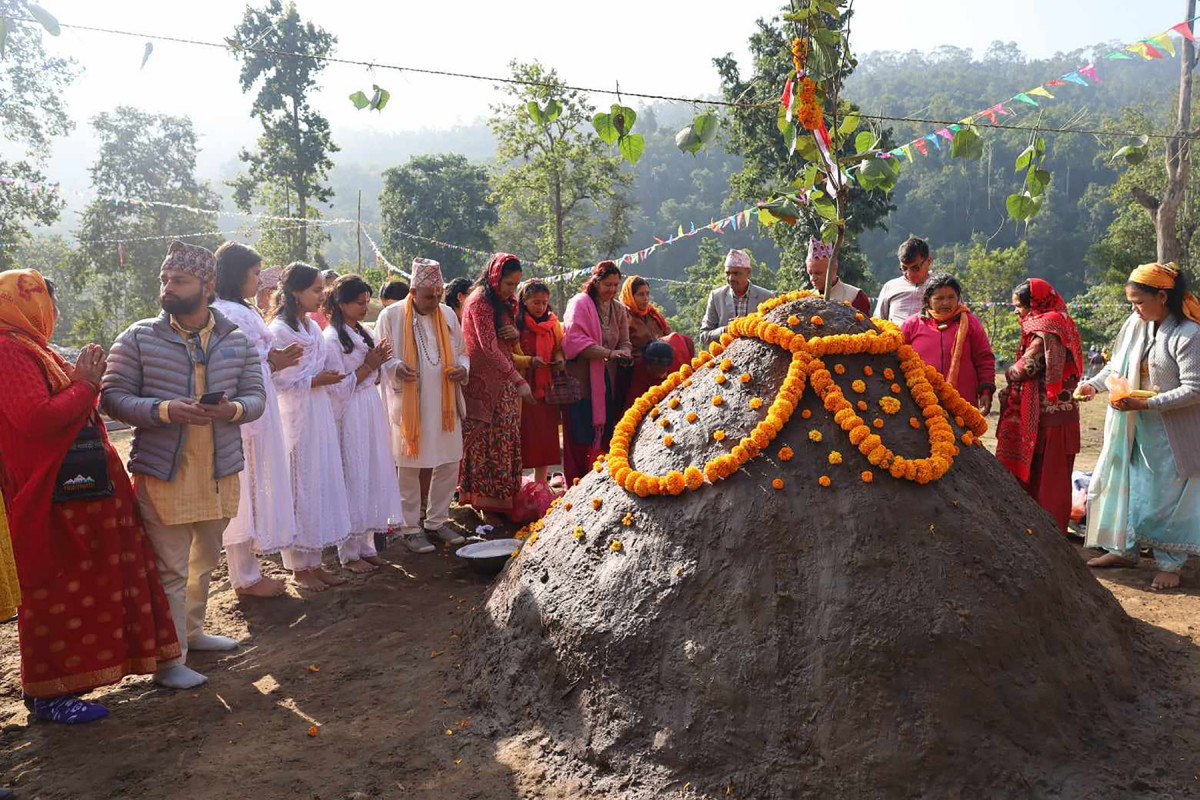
<point>737,299</point>
<point>423,387</point>
<point>820,259</point>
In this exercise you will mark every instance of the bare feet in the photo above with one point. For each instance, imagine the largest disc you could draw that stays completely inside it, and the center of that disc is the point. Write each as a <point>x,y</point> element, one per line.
<point>328,577</point>
<point>307,579</point>
<point>359,566</point>
<point>1111,560</point>
<point>267,587</point>
<point>1165,580</point>
<point>376,560</point>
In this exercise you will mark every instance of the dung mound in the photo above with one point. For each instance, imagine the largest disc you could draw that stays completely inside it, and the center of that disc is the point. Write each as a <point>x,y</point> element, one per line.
<point>882,639</point>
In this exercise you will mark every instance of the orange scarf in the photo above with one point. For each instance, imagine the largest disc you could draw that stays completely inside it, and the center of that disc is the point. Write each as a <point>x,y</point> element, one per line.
<point>963,315</point>
<point>410,405</point>
<point>1162,276</point>
<point>544,340</point>
<point>631,304</point>
<point>27,315</point>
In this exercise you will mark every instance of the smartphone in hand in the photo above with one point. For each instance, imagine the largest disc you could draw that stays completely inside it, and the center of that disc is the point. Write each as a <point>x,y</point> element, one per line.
<point>212,399</point>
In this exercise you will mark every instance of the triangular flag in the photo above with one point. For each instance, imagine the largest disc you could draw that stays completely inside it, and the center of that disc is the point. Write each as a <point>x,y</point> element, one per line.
<point>1149,52</point>
<point>899,151</point>
<point>955,128</point>
<point>1073,77</point>
<point>920,145</point>
<point>1090,71</point>
<point>1164,43</point>
<point>1184,29</point>
<point>1000,109</point>
<point>933,138</point>
<point>908,152</point>
<point>968,121</point>
<point>1041,92</point>
<point>1025,98</point>
<point>679,233</point>
<point>735,220</point>
<point>945,134</point>
<point>660,241</point>
<point>991,115</point>
<point>1118,54</point>
<point>692,226</point>
<point>787,99</point>
<point>1136,47</point>
<point>1055,82</point>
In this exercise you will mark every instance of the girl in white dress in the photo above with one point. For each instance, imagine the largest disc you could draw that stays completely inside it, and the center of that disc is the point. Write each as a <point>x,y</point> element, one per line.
<point>370,470</point>
<point>310,433</point>
<point>266,519</point>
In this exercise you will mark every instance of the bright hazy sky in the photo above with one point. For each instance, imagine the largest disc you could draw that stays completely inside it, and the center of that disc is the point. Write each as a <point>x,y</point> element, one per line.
<point>648,45</point>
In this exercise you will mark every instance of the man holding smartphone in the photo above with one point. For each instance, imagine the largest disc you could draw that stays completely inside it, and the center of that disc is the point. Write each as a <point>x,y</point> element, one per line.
<point>185,380</point>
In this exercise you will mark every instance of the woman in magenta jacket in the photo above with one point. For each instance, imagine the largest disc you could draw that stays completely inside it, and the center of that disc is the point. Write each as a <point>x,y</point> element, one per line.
<point>952,340</point>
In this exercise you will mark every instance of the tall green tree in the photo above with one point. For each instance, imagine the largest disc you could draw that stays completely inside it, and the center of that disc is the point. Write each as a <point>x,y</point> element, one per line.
<point>52,255</point>
<point>32,113</point>
<point>115,269</point>
<point>295,144</point>
<point>443,197</point>
<point>555,182</point>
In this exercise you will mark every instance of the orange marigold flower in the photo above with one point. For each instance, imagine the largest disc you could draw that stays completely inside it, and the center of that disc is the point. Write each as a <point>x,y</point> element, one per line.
<point>914,422</point>
<point>890,405</point>
<point>668,440</point>
<point>756,403</point>
<point>664,423</point>
<point>895,387</point>
<point>835,458</point>
<point>816,320</point>
<point>675,483</point>
<point>643,487</point>
<point>858,386</point>
<point>715,349</point>
<point>761,437</point>
<point>596,503</point>
<point>726,364</point>
<point>691,416</point>
<point>777,483</point>
<point>693,478</point>
<point>877,422</point>
<point>578,532</point>
<point>859,316</point>
<point>793,320</point>
<point>840,369</point>
<point>862,405</point>
<point>717,400</point>
<point>674,402</point>
<point>719,435</point>
<point>959,422</point>
<point>968,439</point>
<point>654,412</point>
<point>806,413</point>
<point>616,546</point>
<point>824,480</point>
<point>726,338</point>
<point>744,377</point>
<point>721,379</point>
<point>786,453</point>
<point>814,436</point>
<point>857,435</point>
<point>627,520</point>
<point>868,371</point>
<point>868,476</point>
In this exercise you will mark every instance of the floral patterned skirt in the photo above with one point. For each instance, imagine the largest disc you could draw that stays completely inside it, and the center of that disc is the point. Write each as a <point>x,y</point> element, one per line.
<point>490,474</point>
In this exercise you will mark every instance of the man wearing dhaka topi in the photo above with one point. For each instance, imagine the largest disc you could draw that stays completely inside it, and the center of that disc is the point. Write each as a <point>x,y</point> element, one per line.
<point>820,260</point>
<point>737,299</point>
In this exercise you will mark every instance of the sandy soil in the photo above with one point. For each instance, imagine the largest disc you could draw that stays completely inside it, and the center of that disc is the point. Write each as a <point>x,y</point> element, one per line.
<point>375,665</point>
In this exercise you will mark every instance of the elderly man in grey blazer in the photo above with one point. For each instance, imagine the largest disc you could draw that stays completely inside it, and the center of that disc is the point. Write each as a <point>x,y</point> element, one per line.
<point>737,299</point>
<point>185,381</point>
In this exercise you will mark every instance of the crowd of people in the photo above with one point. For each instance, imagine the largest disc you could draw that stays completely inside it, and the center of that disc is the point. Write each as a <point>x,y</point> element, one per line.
<point>269,417</point>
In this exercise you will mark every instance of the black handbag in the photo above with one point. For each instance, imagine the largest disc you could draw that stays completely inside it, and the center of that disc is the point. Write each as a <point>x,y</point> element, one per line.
<point>84,471</point>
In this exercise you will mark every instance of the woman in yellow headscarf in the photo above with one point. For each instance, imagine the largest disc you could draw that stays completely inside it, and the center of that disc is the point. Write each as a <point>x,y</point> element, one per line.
<point>1145,491</point>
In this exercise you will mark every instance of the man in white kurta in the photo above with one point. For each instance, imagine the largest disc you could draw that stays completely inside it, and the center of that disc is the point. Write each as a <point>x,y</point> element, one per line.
<point>423,370</point>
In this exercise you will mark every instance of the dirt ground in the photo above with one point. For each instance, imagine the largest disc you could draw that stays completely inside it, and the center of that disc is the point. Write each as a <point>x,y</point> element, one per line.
<point>375,667</point>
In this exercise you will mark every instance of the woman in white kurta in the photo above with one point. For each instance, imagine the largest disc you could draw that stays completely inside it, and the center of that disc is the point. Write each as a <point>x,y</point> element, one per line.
<point>309,430</point>
<point>430,373</point>
<point>370,469</point>
<point>266,519</point>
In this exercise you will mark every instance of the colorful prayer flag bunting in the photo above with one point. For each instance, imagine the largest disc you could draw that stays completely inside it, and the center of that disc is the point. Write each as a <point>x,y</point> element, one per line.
<point>1041,92</point>
<point>1184,29</point>
<point>1025,98</point>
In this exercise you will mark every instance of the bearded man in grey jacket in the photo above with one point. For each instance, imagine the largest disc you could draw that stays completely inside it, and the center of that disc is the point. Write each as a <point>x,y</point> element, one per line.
<point>185,381</point>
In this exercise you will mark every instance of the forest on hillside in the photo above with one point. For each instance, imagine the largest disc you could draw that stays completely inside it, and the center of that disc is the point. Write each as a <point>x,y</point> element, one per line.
<point>494,188</point>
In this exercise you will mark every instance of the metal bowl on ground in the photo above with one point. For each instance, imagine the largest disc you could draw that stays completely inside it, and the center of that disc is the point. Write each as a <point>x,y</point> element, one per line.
<point>489,557</point>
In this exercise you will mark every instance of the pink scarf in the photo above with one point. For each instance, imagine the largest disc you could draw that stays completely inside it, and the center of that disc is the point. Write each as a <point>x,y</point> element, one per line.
<point>581,330</point>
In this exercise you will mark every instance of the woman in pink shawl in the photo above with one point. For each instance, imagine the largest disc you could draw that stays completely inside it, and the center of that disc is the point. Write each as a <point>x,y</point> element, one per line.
<point>596,343</point>
<point>490,475</point>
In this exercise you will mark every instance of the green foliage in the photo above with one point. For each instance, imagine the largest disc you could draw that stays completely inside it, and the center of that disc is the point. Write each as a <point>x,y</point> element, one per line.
<point>1134,152</point>
<point>555,186</point>
<point>967,144</point>
<point>32,113</point>
<point>140,155</point>
<point>51,255</point>
<point>614,128</point>
<point>1102,311</point>
<point>1024,205</point>
<point>294,148</point>
<point>442,197</point>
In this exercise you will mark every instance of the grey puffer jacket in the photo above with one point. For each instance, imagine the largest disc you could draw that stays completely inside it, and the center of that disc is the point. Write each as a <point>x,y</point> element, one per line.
<point>151,364</point>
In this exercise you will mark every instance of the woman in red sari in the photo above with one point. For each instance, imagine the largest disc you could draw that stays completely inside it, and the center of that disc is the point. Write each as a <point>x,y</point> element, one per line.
<point>1038,434</point>
<point>541,341</point>
<point>92,607</point>
<point>490,475</point>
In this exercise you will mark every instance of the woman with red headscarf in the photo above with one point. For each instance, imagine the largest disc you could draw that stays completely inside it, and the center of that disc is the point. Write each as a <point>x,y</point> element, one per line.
<point>490,475</point>
<point>1038,434</point>
<point>92,606</point>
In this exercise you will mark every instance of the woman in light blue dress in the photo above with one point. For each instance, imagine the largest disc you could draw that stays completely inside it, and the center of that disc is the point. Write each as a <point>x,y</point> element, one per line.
<point>1145,491</point>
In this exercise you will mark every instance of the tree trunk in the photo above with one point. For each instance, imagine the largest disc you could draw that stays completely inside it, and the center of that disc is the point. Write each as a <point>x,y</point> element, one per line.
<point>558,240</point>
<point>1164,213</point>
<point>302,212</point>
<point>301,183</point>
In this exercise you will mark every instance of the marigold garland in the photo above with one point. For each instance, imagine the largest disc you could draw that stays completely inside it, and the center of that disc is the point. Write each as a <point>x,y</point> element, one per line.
<point>939,403</point>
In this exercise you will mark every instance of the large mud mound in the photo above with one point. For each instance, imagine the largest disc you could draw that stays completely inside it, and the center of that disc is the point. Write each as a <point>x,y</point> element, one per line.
<point>888,639</point>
